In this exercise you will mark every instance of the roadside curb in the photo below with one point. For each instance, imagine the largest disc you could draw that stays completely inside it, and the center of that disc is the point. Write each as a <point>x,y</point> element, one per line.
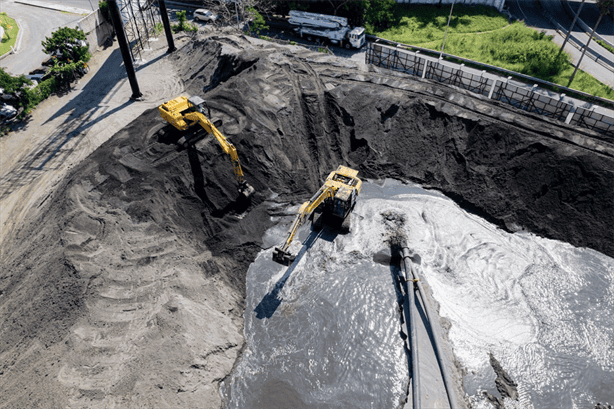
<point>50,6</point>
<point>17,43</point>
<point>19,37</point>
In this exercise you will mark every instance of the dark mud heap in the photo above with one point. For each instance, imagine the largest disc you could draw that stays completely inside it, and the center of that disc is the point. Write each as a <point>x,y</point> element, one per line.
<point>127,287</point>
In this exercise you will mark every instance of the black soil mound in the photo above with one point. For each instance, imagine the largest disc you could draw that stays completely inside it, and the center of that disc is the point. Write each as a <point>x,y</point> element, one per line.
<point>293,117</point>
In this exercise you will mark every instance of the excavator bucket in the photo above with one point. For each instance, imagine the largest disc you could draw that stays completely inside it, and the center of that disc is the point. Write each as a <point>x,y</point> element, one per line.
<point>246,190</point>
<point>282,257</point>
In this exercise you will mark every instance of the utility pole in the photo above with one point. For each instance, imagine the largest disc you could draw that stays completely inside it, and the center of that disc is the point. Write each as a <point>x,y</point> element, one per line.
<point>124,48</point>
<point>573,23</point>
<point>585,48</point>
<point>446,34</point>
<point>167,27</point>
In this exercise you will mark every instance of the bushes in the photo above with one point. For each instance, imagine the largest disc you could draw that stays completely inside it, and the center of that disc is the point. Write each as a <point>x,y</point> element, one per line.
<point>70,53</point>
<point>182,26</point>
<point>104,9</point>
<point>36,95</point>
<point>12,84</point>
<point>258,22</point>
<point>379,14</point>
<point>26,98</point>
<point>605,45</point>
<point>67,44</point>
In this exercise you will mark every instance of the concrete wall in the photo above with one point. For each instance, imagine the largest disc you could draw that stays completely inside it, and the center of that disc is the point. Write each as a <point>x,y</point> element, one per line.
<point>97,30</point>
<point>498,4</point>
<point>528,97</point>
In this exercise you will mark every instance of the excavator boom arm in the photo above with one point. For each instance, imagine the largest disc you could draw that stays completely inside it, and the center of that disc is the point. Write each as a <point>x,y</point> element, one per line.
<point>182,113</point>
<point>281,254</point>
<point>227,147</point>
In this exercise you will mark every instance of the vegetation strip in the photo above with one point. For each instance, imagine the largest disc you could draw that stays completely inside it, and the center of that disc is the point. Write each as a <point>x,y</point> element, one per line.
<point>10,33</point>
<point>517,48</point>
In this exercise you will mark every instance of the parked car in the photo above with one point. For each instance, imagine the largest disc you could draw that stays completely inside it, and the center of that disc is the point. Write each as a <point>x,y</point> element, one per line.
<point>40,70</point>
<point>35,77</point>
<point>12,98</point>
<point>7,112</point>
<point>205,15</point>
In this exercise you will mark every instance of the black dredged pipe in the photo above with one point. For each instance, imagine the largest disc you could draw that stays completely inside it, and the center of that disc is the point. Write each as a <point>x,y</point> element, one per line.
<point>167,27</point>
<point>124,48</point>
<point>412,277</point>
<point>412,313</point>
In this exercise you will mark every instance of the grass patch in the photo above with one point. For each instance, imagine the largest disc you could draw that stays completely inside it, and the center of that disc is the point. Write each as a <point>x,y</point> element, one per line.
<point>487,40</point>
<point>183,24</point>
<point>423,24</point>
<point>10,35</point>
<point>158,28</point>
<point>605,45</point>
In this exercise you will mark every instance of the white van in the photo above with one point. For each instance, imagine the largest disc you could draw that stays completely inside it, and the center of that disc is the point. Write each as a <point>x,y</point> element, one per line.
<point>205,15</point>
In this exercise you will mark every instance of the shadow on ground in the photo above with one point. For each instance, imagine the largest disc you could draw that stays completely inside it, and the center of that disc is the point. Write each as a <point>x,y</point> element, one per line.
<point>271,301</point>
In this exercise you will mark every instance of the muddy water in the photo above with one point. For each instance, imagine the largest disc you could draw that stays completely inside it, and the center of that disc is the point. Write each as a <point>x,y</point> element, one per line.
<point>325,332</point>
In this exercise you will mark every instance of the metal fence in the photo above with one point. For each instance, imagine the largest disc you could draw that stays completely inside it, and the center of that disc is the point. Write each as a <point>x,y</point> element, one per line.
<point>530,98</point>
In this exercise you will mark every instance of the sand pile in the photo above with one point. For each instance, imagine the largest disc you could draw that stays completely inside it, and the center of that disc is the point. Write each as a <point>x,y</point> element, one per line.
<point>127,287</point>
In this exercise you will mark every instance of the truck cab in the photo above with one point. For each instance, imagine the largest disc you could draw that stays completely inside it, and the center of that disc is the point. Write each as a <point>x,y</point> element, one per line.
<point>357,37</point>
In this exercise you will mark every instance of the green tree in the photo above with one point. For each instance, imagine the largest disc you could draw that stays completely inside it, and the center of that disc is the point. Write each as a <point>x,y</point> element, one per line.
<point>70,52</point>
<point>67,44</point>
<point>379,14</point>
<point>183,25</point>
<point>258,22</point>
<point>11,84</point>
<point>104,9</point>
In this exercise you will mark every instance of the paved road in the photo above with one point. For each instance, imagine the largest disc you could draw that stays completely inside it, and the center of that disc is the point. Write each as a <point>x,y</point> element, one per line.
<point>81,4</point>
<point>535,14</point>
<point>590,15</point>
<point>35,24</point>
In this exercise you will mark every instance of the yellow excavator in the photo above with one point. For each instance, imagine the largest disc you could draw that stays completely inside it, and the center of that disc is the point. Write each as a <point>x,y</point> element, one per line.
<point>333,202</point>
<point>183,113</point>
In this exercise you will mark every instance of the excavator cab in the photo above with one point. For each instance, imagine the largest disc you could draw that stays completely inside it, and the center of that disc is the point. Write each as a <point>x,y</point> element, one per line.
<point>183,113</point>
<point>336,198</point>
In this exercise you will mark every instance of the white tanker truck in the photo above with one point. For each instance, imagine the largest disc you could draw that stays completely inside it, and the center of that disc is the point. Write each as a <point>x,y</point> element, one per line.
<point>314,26</point>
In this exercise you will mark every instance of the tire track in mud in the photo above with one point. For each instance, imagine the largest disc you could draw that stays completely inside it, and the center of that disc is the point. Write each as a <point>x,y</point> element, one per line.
<point>310,94</point>
<point>122,303</point>
<point>145,282</point>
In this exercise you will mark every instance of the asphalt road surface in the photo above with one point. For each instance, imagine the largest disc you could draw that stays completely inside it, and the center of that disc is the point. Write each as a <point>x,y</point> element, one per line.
<point>590,15</point>
<point>82,4</point>
<point>539,15</point>
<point>35,24</point>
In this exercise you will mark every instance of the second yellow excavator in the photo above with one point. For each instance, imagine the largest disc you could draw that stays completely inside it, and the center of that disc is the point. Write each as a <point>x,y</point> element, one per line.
<point>334,201</point>
<point>183,113</point>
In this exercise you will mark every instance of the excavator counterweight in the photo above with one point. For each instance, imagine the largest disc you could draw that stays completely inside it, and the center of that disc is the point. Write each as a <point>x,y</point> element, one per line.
<point>183,113</point>
<point>336,199</point>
